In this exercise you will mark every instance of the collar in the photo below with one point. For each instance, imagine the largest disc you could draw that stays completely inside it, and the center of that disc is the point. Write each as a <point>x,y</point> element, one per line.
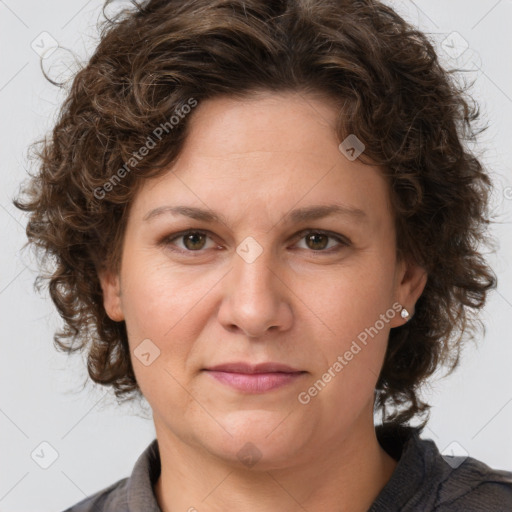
<point>416,457</point>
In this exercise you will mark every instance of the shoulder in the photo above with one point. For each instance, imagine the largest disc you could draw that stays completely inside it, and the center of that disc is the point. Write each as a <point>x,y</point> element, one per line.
<point>425,479</point>
<point>128,494</point>
<point>473,485</point>
<point>110,499</point>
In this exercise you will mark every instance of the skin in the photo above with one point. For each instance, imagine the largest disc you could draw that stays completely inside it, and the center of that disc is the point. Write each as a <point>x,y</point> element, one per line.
<point>299,302</point>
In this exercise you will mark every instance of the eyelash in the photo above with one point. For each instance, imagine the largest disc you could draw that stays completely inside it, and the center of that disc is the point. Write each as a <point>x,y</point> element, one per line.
<point>343,241</point>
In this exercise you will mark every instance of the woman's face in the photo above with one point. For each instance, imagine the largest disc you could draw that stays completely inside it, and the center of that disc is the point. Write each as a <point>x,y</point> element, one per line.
<point>259,283</point>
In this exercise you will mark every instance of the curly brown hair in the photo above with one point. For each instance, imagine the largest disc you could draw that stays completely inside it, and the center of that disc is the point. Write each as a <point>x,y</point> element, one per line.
<point>153,59</point>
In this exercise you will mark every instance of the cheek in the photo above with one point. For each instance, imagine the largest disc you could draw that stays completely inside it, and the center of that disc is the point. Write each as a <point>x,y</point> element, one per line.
<point>158,297</point>
<point>353,298</point>
<point>160,305</point>
<point>356,312</point>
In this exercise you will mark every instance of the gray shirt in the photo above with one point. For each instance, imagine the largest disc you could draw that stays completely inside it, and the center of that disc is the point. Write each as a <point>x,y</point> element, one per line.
<point>423,481</point>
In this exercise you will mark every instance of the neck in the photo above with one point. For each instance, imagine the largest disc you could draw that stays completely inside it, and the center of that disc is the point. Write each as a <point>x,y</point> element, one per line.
<point>343,477</point>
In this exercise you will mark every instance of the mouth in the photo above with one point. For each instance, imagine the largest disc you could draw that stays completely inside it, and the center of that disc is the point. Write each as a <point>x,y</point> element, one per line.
<point>254,378</point>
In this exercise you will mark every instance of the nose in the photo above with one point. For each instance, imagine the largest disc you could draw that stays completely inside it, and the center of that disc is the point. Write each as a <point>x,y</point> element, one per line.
<point>256,298</point>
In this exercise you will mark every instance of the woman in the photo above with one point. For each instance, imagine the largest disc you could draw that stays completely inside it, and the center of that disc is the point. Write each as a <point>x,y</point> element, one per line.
<point>263,218</point>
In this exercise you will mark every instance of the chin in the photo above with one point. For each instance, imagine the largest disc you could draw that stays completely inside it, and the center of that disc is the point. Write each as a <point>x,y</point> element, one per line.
<point>260,440</point>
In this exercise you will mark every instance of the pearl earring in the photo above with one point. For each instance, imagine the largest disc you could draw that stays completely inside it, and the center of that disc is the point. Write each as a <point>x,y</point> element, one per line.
<point>404,313</point>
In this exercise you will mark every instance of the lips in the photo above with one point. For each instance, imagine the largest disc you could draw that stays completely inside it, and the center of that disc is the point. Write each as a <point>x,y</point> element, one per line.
<point>241,367</point>
<point>258,378</point>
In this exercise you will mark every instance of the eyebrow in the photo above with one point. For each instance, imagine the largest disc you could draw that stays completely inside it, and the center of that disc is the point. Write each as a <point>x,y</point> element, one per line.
<point>307,213</point>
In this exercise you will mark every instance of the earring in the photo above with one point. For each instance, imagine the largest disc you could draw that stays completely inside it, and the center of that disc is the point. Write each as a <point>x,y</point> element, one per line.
<point>404,313</point>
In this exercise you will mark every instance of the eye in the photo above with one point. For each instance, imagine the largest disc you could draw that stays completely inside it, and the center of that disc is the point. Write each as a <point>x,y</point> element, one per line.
<point>317,241</point>
<point>194,241</point>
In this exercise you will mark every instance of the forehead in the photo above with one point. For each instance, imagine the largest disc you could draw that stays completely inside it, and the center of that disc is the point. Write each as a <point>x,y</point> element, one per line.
<point>264,122</point>
<point>274,151</point>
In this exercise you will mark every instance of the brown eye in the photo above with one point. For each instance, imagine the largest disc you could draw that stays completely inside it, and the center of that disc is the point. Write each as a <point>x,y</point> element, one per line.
<point>317,241</point>
<point>187,241</point>
<point>324,242</point>
<point>194,241</point>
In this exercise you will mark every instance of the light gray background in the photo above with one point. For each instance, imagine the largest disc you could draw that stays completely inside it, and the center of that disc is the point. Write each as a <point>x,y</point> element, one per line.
<point>96,441</point>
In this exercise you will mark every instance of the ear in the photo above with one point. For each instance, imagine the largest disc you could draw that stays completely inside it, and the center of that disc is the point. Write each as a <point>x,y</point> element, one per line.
<point>411,279</point>
<point>111,286</point>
